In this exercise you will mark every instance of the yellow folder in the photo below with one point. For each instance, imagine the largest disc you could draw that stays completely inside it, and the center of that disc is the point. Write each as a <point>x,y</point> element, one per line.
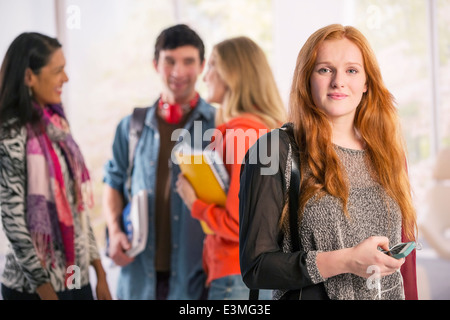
<point>205,171</point>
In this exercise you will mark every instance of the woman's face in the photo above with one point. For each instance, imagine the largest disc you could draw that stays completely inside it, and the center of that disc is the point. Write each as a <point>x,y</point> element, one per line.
<point>338,80</point>
<point>216,86</point>
<point>47,85</point>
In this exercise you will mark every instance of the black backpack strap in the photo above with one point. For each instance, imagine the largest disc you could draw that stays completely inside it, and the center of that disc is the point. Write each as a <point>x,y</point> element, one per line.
<point>294,187</point>
<point>136,125</point>
<point>294,191</point>
<point>254,294</point>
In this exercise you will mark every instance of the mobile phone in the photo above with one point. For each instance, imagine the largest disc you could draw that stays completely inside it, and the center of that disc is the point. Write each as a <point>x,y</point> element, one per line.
<point>400,250</point>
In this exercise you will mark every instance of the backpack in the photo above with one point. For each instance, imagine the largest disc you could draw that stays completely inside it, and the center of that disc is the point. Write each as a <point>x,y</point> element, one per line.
<point>135,131</point>
<point>136,126</point>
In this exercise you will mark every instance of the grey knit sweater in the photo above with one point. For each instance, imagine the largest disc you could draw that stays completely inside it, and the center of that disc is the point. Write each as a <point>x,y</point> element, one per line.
<point>324,227</point>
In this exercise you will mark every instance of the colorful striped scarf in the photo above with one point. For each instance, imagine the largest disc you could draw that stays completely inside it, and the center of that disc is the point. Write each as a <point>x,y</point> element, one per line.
<point>49,213</point>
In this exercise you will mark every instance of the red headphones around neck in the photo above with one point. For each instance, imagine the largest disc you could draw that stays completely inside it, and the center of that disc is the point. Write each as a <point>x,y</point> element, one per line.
<point>173,113</point>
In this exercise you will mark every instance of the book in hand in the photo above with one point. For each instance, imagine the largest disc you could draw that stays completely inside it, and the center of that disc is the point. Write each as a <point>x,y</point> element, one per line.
<point>135,223</point>
<point>205,171</point>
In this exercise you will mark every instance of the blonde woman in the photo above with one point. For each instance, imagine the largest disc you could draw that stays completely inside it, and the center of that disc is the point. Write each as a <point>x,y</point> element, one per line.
<point>239,78</point>
<point>354,190</point>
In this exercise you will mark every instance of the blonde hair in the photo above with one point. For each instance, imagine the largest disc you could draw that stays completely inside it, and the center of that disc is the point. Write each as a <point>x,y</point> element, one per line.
<point>376,119</point>
<point>244,68</point>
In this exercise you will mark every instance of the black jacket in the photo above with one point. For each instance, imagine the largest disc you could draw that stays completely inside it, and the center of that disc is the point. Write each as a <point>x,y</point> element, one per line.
<point>262,193</point>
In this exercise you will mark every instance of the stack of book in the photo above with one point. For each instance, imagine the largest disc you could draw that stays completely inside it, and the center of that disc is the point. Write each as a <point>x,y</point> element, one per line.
<point>205,170</point>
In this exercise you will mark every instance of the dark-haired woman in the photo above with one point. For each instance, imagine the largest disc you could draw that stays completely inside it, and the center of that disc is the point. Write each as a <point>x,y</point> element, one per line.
<point>44,191</point>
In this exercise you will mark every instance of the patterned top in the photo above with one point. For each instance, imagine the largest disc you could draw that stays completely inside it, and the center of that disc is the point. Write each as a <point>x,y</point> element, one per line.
<point>324,227</point>
<point>23,271</point>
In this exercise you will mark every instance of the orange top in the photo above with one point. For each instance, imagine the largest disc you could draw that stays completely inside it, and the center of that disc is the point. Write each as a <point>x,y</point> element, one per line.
<point>221,249</point>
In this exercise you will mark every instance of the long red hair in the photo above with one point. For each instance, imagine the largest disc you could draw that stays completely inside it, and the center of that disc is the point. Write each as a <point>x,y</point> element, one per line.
<point>376,119</point>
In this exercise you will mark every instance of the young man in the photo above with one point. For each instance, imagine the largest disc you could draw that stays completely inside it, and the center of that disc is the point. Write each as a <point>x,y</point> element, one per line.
<point>170,267</point>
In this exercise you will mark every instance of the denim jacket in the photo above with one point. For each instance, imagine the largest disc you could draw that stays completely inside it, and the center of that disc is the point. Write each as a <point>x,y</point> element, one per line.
<point>137,281</point>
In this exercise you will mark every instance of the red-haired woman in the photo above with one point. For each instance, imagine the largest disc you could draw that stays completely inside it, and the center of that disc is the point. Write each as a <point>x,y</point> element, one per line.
<point>354,195</point>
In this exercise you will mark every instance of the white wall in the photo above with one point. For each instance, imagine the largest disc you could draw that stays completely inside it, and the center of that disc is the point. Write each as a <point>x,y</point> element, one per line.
<point>19,16</point>
<point>294,22</point>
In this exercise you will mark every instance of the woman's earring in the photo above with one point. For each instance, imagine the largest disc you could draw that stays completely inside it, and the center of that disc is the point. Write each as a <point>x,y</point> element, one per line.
<point>30,92</point>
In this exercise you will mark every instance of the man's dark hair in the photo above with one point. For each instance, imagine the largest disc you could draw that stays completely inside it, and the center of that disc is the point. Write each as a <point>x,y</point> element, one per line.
<point>178,36</point>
